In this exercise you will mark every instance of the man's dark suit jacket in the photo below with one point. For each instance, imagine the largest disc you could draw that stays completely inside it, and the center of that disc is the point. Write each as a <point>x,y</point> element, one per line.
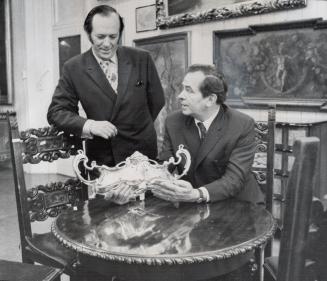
<point>139,100</point>
<point>222,163</point>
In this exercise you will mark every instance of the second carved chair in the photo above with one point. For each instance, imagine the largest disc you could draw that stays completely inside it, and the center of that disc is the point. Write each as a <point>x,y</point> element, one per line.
<point>43,201</point>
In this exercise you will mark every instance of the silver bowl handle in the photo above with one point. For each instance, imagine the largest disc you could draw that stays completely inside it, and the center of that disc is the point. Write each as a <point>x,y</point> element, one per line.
<point>81,157</point>
<point>181,152</point>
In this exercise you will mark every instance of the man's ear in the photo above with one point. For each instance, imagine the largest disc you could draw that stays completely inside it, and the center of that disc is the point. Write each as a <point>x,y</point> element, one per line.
<point>212,99</point>
<point>90,38</point>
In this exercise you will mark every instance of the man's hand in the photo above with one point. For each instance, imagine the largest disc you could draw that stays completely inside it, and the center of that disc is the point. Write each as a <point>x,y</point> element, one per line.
<point>174,191</point>
<point>103,129</point>
<point>122,194</point>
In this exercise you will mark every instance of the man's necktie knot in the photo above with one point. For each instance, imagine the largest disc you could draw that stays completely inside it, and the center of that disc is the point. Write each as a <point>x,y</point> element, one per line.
<point>203,130</point>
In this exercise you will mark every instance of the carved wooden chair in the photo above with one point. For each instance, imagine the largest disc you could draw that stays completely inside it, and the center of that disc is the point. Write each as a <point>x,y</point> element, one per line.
<point>263,164</point>
<point>291,264</point>
<point>41,202</point>
<point>18,271</point>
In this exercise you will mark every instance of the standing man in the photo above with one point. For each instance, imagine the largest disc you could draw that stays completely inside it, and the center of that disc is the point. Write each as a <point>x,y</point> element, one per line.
<point>119,90</point>
<point>221,142</point>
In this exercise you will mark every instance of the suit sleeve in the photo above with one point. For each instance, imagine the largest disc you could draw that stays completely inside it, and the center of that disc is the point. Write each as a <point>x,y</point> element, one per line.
<point>63,109</point>
<point>167,150</point>
<point>155,94</point>
<point>238,167</point>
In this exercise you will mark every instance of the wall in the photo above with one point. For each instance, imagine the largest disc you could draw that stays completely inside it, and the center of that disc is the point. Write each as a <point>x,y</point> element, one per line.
<point>201,46</point>
<point>37,25</point>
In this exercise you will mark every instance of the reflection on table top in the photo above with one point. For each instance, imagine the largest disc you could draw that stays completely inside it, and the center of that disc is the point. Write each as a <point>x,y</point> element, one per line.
<point>159,232</point>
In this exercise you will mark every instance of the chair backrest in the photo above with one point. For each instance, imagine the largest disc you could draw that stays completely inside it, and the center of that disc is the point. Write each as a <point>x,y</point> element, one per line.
<point>42,201</point>
<point>263,164</point>
<point>297,210</point>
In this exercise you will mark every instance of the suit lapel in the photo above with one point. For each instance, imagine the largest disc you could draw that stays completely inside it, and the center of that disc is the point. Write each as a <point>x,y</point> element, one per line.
<point>124,73</point>
<point>95,72</point>
<point>213,136</point>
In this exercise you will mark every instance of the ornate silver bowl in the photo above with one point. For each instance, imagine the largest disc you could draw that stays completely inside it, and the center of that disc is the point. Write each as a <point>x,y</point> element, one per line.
<point>137,171</point>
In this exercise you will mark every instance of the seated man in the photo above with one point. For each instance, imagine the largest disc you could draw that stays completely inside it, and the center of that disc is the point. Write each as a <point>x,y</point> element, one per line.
<point>221,142</point>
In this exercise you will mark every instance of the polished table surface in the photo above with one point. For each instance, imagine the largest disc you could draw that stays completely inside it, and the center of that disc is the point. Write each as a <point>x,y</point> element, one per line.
<point>159,240</point>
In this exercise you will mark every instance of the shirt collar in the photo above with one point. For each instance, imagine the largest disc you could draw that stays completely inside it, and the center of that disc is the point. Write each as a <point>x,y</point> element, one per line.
<point>209,121</point>
<point>113,59</point>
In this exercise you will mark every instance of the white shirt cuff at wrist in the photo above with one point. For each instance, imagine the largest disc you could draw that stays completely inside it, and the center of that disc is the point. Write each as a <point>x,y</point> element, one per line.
<point>86,132</point>
<point>205,193</point>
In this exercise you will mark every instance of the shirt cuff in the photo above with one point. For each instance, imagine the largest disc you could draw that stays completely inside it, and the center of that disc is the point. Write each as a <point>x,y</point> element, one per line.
<point>205,193</point>
<point>86,132</point>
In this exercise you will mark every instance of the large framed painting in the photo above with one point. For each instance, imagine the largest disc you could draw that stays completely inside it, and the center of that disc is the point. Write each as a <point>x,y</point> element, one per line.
<point>171,57</point>
<point>172,13</point>
<point>283,63</point>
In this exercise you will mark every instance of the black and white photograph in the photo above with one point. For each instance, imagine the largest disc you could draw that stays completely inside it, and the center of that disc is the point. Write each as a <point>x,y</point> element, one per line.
<point>163,140</point>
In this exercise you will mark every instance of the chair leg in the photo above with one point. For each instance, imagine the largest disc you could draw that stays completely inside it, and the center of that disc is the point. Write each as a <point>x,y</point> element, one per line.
<point>259,257</point>
<point>26,259</point>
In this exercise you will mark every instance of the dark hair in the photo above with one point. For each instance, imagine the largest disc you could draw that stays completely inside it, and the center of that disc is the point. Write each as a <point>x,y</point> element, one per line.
<point>104,10</point>
<point>213,83</point>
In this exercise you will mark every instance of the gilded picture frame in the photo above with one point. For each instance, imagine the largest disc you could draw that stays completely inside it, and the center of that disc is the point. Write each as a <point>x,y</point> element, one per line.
<point>173,13</point>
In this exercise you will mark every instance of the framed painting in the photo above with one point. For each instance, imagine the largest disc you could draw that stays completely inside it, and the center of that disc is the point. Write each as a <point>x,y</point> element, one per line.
<point>69,47</point>
<point>145,18</point>
<point>172,13</point>
<point>282,63</point>
<point>170,54</point>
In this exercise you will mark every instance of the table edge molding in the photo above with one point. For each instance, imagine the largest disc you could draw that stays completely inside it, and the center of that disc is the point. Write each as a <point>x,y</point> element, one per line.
<point>167,260</point>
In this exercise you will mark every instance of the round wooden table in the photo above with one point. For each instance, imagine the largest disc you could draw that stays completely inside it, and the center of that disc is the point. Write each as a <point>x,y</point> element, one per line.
<point>159,240</point>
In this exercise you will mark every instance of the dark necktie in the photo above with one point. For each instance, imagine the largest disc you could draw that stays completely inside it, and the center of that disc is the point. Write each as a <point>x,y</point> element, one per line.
<point>203,130</point>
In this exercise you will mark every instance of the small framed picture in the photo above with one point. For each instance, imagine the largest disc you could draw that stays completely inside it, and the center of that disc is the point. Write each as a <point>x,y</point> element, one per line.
<point>145,18</point>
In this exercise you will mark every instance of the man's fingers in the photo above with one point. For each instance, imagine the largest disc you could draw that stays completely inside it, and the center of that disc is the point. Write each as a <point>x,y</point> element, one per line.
<point>183,184</point>
<point>163,184</point>
<point>167,197</point>
<point>103,129</point>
